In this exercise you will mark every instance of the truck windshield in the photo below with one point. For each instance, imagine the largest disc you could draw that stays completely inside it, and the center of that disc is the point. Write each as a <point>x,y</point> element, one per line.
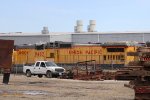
<point>50,64</point>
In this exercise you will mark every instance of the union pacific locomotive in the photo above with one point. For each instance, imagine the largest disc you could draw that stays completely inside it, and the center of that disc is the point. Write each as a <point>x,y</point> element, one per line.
<point>107,55</point>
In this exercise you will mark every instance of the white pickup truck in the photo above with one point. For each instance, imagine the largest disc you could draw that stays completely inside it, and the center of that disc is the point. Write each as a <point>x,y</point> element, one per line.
<point>40,68</point>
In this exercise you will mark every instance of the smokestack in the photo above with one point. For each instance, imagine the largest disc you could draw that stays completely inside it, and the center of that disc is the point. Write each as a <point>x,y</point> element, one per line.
<point>79,27</point>
<point>91,27</point>
<point>45,30</point>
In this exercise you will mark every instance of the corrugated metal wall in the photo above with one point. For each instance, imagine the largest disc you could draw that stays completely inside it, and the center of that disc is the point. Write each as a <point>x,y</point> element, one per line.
<point>79,38</point>
<point>61,37</point>
<point>96,38</point>
<point>84,38</point>
<point>27,39</point>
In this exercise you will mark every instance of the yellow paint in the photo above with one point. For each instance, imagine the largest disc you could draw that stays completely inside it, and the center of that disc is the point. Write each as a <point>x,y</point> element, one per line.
<point>75,54</point>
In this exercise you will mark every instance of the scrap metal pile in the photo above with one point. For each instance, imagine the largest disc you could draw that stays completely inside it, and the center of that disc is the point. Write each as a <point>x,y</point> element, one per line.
<point>88,70</point>
<point>138,72</point>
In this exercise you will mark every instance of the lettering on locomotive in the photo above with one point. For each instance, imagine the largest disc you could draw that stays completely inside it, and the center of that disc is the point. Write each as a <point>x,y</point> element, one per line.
<point>86,52</point>
<point>41,54</point>
<point>23,52</point>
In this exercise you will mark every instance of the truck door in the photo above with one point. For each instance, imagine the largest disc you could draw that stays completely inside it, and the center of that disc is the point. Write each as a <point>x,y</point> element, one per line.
<point>42,69</point>
<point>36,68</point>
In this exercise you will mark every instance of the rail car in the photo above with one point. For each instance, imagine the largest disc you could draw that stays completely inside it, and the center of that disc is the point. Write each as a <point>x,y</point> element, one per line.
<point>107,55</point>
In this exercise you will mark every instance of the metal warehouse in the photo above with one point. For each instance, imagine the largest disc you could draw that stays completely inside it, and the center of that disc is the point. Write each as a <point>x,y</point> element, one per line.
<point>78,36</point>
<point>25,39</point>
<point>85,37</point>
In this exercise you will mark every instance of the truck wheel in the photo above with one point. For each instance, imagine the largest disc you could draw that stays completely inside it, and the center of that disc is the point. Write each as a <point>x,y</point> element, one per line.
<point>40,76</point>
<point>28,73</point>
<point>48,74</point>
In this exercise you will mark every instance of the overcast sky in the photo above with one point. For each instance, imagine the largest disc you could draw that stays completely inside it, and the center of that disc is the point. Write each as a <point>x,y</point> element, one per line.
<point>61,15</point>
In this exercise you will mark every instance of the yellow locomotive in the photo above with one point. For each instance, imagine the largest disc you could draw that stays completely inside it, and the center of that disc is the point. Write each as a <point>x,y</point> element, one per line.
<point>107,55</point>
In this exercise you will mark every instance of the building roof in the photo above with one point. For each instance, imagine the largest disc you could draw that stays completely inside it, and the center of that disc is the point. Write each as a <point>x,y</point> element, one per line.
<point>66,33</point>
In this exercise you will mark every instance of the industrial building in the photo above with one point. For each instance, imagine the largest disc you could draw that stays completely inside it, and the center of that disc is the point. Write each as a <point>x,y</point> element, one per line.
<point>78,36</point>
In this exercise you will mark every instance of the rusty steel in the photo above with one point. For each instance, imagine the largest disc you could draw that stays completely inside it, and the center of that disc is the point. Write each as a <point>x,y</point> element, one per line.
<point>6,50</point>
<point>138,73</point>
<point>87,70</point>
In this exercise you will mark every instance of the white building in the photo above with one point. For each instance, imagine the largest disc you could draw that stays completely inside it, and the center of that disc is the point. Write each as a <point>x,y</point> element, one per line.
<point>84,37</point>
<point>78,36</point>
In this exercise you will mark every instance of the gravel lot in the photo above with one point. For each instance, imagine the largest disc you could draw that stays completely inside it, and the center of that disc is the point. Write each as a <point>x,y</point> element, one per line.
<point>21,87</point>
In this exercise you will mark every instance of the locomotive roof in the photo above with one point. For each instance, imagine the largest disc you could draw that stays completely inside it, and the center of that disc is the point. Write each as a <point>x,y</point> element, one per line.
<point>87,44</point>
<point>25,46</point>
<point>119,44</point>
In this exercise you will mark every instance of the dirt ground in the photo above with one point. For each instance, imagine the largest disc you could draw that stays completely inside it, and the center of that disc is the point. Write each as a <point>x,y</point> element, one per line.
<point>21,87</point>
